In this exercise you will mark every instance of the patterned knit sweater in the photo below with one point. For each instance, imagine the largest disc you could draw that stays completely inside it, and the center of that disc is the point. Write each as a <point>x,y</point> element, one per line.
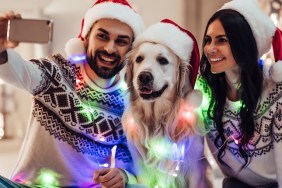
<point>74,123</point>
<point>265,147</point>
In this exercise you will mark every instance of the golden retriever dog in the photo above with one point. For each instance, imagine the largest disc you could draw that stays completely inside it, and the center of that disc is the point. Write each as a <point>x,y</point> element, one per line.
<point>159,121</point>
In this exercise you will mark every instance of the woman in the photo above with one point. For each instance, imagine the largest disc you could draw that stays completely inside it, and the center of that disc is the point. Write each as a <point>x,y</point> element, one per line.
<point>243,114</point>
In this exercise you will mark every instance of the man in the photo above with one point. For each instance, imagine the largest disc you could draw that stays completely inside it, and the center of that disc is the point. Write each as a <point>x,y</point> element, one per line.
<point>75,129</point>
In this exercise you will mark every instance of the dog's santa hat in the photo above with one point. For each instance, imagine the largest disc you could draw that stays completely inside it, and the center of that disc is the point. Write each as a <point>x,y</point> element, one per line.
<point>179,40</point>
<point>112,9</point>
<point>264,31</point>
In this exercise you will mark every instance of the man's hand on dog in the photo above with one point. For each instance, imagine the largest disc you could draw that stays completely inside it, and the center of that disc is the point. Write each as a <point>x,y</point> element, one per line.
<point>110,177</point>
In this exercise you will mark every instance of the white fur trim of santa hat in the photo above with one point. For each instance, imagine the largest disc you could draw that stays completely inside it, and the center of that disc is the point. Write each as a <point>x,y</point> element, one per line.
<point>170,36</point>
<point>119,10</point>
<point>275,71</point>
<point>113,10</point>
<point>262,26</point>
<point>272,70</point>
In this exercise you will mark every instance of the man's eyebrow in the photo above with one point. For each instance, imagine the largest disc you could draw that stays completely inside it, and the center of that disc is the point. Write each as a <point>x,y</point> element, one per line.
<point>120,36</point>
<point>124,37</point>
<point>103,30</point>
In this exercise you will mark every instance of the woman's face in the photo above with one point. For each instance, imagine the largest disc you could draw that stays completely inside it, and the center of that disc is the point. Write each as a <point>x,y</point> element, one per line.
<point>217,49</point>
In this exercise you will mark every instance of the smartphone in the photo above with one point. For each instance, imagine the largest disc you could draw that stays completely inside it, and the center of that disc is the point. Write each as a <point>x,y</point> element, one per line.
<point>28,30</point>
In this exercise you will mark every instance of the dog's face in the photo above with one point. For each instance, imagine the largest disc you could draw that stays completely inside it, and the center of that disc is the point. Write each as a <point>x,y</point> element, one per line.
<point>153,70</point>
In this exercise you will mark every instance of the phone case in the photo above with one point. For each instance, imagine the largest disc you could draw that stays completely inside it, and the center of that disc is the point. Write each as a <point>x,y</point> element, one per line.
<point>30,30</point>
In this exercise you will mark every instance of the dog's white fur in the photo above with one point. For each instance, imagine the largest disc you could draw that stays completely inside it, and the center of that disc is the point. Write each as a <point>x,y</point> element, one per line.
<point>161,120</point>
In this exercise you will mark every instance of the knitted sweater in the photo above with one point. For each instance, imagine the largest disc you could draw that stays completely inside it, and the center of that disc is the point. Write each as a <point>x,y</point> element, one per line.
<point>265,147</point>
<point>74,124</point>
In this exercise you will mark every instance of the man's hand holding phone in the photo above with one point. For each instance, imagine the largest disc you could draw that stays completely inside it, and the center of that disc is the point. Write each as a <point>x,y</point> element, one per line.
<point>4,42</point>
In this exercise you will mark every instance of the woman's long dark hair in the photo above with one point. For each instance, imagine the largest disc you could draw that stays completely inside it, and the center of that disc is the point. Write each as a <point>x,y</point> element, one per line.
<point>245,52</point>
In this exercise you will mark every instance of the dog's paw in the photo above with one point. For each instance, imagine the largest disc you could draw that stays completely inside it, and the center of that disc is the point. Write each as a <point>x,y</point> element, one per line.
<point>194,98</point>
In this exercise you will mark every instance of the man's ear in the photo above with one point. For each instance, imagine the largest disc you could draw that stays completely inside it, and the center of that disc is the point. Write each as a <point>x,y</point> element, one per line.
<point>86,40</point>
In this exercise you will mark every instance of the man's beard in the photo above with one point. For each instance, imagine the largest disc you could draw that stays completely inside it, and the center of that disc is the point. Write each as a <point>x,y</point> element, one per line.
<point>104,72</point>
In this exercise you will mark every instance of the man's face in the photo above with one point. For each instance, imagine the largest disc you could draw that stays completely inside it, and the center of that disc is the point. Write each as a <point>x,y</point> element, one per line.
<point>109,40</point>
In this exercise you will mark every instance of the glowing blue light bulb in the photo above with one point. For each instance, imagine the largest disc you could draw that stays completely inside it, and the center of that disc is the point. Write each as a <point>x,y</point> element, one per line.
<point>77,58</point>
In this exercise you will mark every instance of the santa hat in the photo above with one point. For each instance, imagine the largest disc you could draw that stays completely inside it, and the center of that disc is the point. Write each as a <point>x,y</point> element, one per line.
<point>179,40</point>
<point>264,31</point>
<point>112,9</point>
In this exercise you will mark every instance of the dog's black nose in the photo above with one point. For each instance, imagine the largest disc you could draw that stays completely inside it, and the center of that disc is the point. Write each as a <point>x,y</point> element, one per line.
<point>145,77</point>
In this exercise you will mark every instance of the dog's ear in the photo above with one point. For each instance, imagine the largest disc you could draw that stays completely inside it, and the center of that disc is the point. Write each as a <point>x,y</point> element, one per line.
<point>183,85</point>
<point>129,69</point>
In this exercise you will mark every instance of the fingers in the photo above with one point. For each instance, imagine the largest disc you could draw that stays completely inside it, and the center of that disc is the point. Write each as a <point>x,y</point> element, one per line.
<point>4,43</point>
<point>18,16</point>
<point>10,15</point>
<point>109,178</point>
<point>100,172</point>
<point>10,44</point>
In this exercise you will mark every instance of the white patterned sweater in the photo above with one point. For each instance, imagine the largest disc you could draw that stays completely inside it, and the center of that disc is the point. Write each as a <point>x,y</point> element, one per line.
<point>74,123</point>
<point>265,147</point>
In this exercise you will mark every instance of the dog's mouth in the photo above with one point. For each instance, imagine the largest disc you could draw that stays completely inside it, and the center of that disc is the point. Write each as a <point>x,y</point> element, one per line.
<point>148,94</point>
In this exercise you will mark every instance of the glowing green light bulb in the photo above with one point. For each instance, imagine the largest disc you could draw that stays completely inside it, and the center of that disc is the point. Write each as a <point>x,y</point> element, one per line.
<point>48,178</point>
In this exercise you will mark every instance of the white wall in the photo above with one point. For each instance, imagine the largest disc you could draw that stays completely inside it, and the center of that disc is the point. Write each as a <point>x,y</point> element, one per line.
<point>190,14</point>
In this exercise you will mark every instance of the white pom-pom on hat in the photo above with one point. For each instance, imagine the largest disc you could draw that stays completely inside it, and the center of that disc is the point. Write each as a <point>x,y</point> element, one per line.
<point>275,71</point>
<point>74,46</point>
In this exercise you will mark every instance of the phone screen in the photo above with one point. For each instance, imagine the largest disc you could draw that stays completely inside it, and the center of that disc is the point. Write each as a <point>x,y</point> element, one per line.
<point>30,30</point>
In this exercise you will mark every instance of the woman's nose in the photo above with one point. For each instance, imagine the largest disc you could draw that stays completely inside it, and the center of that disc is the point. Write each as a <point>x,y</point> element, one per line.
<point>211,48</point>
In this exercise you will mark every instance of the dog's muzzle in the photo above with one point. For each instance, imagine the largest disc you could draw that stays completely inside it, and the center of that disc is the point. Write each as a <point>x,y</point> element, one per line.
<point>146,86</point>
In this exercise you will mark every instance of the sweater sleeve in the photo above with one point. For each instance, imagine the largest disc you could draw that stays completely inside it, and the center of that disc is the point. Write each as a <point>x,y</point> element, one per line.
<point>20,73</point>
<point>277,142</point>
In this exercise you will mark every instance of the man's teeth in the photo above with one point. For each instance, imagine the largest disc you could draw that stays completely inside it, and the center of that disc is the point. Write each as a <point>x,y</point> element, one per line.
<point>216,59</point>
<point>104,58</point>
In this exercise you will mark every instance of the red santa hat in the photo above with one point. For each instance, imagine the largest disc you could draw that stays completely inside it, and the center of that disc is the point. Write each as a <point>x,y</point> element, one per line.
<point>112,9</point>
<point>180,41</point>
<point>264,31</point>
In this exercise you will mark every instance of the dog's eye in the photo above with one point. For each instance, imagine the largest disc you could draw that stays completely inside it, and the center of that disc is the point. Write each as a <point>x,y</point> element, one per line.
<point>162,60</point>
<point>139,59</point>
